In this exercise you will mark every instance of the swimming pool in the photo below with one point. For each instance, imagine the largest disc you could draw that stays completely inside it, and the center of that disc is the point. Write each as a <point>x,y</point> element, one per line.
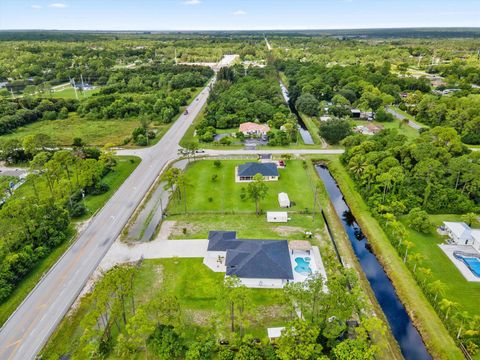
<point>471,260</point>
<point>303,265</point>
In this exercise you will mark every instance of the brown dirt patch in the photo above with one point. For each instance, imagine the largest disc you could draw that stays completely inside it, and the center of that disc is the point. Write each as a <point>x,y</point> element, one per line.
<point>288,230</point>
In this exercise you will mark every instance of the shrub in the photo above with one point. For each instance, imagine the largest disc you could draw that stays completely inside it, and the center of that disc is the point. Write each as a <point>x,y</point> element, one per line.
<point>418,220</point>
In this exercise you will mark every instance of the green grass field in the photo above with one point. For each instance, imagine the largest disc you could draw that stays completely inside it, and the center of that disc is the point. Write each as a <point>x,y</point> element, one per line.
<point>92,132</point>
<point>114,179</point>
<point>223,195</point>
<point>197,289</point>
<point>459,290</point>
<point>69,93</point>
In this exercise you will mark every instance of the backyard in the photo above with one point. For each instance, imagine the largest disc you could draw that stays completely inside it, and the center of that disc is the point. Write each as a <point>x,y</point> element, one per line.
<point>458,289</point>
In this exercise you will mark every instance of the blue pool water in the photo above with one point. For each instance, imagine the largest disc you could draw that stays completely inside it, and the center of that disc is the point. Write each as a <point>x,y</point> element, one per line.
<point>473,263</point>
<point>303,266</point>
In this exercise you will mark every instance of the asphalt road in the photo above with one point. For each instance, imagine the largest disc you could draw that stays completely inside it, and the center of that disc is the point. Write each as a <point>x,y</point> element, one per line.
<point>29,327</point>
<point>412,124</point>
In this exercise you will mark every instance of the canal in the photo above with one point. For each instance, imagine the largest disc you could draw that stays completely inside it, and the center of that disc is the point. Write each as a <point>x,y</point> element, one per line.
<point>407,336</point>
<point>302,129</point>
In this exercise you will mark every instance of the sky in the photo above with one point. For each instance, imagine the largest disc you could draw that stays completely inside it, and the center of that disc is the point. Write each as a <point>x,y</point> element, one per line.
<point>235,14</point>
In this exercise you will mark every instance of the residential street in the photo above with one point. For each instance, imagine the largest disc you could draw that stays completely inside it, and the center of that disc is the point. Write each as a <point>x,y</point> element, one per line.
<point>27,330</point>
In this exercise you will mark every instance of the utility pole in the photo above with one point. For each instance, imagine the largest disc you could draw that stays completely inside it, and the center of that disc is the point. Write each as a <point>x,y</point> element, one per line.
<point>72,81</point>
<point>13,95</point>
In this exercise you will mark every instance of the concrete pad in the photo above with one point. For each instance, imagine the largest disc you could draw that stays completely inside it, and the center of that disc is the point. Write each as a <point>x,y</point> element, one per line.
<point>466,272</point>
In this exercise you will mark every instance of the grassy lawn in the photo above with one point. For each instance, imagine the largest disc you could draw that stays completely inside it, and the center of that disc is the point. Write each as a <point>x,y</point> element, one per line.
<point>433,332</point>
<point>125,167</point>
<point>223,195</point>
<point>92,132</point>
<point>459,290</point>
<point>247,226</point>
<point>69,93</point>
<point>197,289</point>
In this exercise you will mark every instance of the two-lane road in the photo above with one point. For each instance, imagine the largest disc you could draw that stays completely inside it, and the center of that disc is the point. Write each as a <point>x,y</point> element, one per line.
<point>30,326</point>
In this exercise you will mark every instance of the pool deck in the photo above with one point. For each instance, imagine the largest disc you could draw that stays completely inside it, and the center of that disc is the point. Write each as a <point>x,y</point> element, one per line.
<point>466,272</point>
<point>316,264</point>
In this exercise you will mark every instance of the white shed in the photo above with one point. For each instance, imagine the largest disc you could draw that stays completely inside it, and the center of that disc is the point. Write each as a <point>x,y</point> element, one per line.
<point>283,200</point>
<point>277,216</point>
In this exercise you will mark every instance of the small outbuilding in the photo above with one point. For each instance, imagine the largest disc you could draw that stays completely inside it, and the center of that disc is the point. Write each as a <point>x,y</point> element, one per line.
<point>277,216</point>
<point>283,200</point>
<point>275,333</point>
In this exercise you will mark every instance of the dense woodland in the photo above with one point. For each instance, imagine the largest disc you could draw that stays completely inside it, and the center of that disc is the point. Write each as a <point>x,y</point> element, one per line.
<point>34,224</point>
<point>247,95</point>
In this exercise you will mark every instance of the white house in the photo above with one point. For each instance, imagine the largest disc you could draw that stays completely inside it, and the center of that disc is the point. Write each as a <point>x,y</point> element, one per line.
<point>277,216</point>
<point>283,200</point>
<point>462,234</point>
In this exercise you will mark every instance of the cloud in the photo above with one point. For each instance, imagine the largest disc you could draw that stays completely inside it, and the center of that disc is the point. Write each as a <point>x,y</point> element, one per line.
<point>58,5</point>
<point>36,7</point>
<point>192,2</point>
<point>239,13</point>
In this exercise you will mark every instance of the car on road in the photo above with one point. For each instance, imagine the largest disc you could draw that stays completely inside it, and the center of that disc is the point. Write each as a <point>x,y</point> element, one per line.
<point>200,151</point>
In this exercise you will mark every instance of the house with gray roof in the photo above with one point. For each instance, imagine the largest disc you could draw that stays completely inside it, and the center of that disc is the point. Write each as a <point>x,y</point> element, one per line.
<point>257,263</point>
<point>246,172</point>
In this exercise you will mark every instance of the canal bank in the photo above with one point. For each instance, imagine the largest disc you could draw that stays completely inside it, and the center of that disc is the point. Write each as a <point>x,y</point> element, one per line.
<point>434,334</point>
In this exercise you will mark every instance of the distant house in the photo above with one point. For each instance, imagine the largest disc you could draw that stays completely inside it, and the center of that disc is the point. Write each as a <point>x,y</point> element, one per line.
<point>257,263</point>
<point>462,234</point>
<point>355,113</point>
<point>369,129</point>
<point>251,128</point>
<point>363,115</point>
<point>246,172</point>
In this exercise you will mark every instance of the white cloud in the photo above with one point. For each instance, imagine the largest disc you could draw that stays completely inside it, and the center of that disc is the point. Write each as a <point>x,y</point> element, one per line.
<point>58,5</point>
<point>239,13</point>
<point>192,2</point>
<point>36,7</point>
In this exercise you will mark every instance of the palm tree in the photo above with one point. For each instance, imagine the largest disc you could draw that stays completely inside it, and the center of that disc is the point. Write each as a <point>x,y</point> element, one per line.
<point>446,306</point>
<point>427,274</point>
<point>416,258</point>
<point>463,317</point>
<point>408,245</point>
<point>438,288</point>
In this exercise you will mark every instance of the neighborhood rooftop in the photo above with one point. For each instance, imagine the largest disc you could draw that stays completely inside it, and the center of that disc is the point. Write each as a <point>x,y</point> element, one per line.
<point>250,169</point>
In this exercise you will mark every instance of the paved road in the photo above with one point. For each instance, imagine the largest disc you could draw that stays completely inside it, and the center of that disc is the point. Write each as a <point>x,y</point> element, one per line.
<point>27,330</point>
<point>411,123</point>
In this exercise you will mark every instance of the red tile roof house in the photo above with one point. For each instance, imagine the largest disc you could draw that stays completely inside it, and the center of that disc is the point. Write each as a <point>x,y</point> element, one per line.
<point>250,128</point>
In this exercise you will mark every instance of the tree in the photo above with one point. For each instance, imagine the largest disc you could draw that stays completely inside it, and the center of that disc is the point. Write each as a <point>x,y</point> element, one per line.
<point>462,317</point>
<point>408,245</point>
<point>236,298</point>
<point>257,190</point>
<point>299,341</point>
<point>353,349</point>
<point>447,306</point>
<point>416,258</point>
<point>418,219</point>
<point>137,331</point>
<point>335,130</point>
<point>383,116</point>
<point>470,218</point>
<point>437,288</point>
<point>307,104</point>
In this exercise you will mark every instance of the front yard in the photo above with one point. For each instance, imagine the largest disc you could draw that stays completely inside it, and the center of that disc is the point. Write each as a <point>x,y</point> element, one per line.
<point>211,189</point>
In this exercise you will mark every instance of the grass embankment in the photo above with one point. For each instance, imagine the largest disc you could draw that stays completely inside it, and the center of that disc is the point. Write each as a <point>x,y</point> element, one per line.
<point>459,290</point>
<point>433,332</point>
<point>114,179</point>
<point>197,289</point>
<point>223,195</point>
<point>312,127</point>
